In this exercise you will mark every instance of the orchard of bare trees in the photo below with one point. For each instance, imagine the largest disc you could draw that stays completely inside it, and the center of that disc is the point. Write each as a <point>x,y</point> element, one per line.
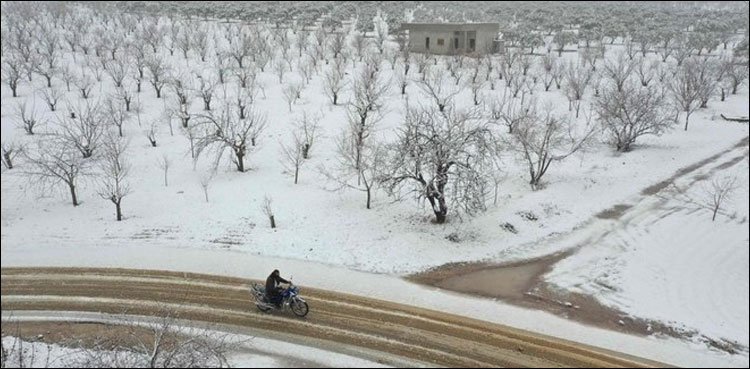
<point>96,93</point>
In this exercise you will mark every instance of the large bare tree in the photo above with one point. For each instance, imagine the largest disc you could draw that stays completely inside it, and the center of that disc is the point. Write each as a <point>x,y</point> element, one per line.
<point>113,181</point>
<point>225,130</point>
<point>442,157</point>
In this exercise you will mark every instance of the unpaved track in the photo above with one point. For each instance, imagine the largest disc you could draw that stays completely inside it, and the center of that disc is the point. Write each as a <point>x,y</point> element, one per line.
<point>418,334</point>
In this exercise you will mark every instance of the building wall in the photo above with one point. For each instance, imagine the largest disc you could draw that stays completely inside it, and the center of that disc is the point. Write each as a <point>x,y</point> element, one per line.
<point>483,33</point>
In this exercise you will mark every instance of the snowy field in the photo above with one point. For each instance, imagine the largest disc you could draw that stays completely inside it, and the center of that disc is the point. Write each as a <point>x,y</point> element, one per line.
<point>664,262</point>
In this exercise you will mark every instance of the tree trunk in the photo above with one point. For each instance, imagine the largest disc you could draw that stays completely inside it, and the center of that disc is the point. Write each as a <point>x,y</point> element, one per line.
<point>73,194</point>
<point>687,116</point>
<point>273,221</point>
<point>240,162</point>
<point>296,174</point>
<point>335,98</point>
<point>119,211</point>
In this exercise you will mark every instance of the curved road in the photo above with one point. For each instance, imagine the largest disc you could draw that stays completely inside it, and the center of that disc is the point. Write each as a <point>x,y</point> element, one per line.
<point>432,337</point>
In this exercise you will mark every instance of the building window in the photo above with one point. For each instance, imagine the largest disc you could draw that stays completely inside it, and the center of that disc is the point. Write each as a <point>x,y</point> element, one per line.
<point>455,43</point>
<point>471,44</point>
<point>441,42</point>
<point>427,43</point>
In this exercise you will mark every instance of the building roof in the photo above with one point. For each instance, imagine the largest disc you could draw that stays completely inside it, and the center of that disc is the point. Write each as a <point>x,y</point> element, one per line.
<point>495,27</point>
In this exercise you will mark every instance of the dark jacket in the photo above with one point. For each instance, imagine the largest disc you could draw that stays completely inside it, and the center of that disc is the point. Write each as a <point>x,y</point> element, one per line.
<point>272,284</point>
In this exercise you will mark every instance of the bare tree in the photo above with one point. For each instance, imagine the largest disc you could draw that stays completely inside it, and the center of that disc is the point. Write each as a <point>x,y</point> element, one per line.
<point>279,66</point>
<point>205,90</point>
<point>632,112</point>
<point>28,118</point>
<point>125,93</point>
<point>437,88</point>
<point>268,211</point>
<point>720,191</point>
<point>334,82</point>
<point>364,110</point>
<point>510,111</point>
<point>53,163</point>
<point>307,127</point>
<point>67,75</point>
<point>164,162</point>
<point>736,74</point>
<point>576,80</point>
<point>685,89</point>
<point>115,114</point>
<point>546,138</point>
<point>617,70</point>
<point>117,69</point>
<point>338,42</point>
<point>12,72</point>
<point>52,96</point>
<point>442,153</point>
<point>360,44</point>
<point>115,169</point>
<point>84,84</point>
<point>227,131</point>
<point>292,155</point>
<point>646,71</point>
<point>11,150</point>
<point>156,343</point>
<point>292,92</point>
<point>205,180</point>
<point>151,132</point>
<point>158,70</point>
<point>85,130</point>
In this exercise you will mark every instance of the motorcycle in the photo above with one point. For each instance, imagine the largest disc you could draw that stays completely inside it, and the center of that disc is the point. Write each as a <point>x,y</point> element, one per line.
<point>290,299</point>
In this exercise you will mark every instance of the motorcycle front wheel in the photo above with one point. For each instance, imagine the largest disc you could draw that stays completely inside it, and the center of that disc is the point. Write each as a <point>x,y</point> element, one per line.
<point>299,308</point>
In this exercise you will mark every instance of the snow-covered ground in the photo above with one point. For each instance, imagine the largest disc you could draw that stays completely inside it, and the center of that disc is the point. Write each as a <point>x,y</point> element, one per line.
<point>315,224</point>
<point>245,351</point>
<point>667,261</point>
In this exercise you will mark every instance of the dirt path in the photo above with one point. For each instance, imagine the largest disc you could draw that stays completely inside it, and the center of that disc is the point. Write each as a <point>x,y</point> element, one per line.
<point>417,334</point>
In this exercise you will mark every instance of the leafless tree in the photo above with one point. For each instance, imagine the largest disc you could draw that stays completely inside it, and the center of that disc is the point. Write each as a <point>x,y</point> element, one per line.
<point>307,126</point>
<point>115,169</point>
<point>364,109</point>
<point>338,42</point>
<point>200,40</point>
<point>205,89</point>
<point>151,132</point>
<point>292,155</point>
<point>632,112</point>
<point>164,162</point>
<point>334,82</point>
<point>736,74</point>
<point>52,96</point>
<point>292,92</point>
<point>158,70</point>
<point>360,44</point>
<point>156,343</point>
<point>12,72</point>
<point>510,111</point>
<point>268,211</point>
<point>226,131</point>
<point>645,70</point>
<point>115,114</point>
<point>84,84</point>
<point>720,191</point>
<point>576,80</point>
<point>11,150</point>
<point>437,88</point>
<point>67,75</point>
<point>125,93</point>
<point>617,70</point>
<point>205,180</point>
<point>685,89</point>
<point>53,163</point>
<point>545,138</point>
<point>442,154</point>
<point>28,119</point>
<point>279,66</point>
<point>84,132</point>
<point>118,69</point>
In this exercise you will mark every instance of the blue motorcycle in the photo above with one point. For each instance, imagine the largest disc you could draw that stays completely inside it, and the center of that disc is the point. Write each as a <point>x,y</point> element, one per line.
<point>289,300</point>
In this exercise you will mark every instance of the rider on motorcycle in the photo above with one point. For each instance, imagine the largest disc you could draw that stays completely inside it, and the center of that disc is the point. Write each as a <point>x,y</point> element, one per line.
<point>273,288</point>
